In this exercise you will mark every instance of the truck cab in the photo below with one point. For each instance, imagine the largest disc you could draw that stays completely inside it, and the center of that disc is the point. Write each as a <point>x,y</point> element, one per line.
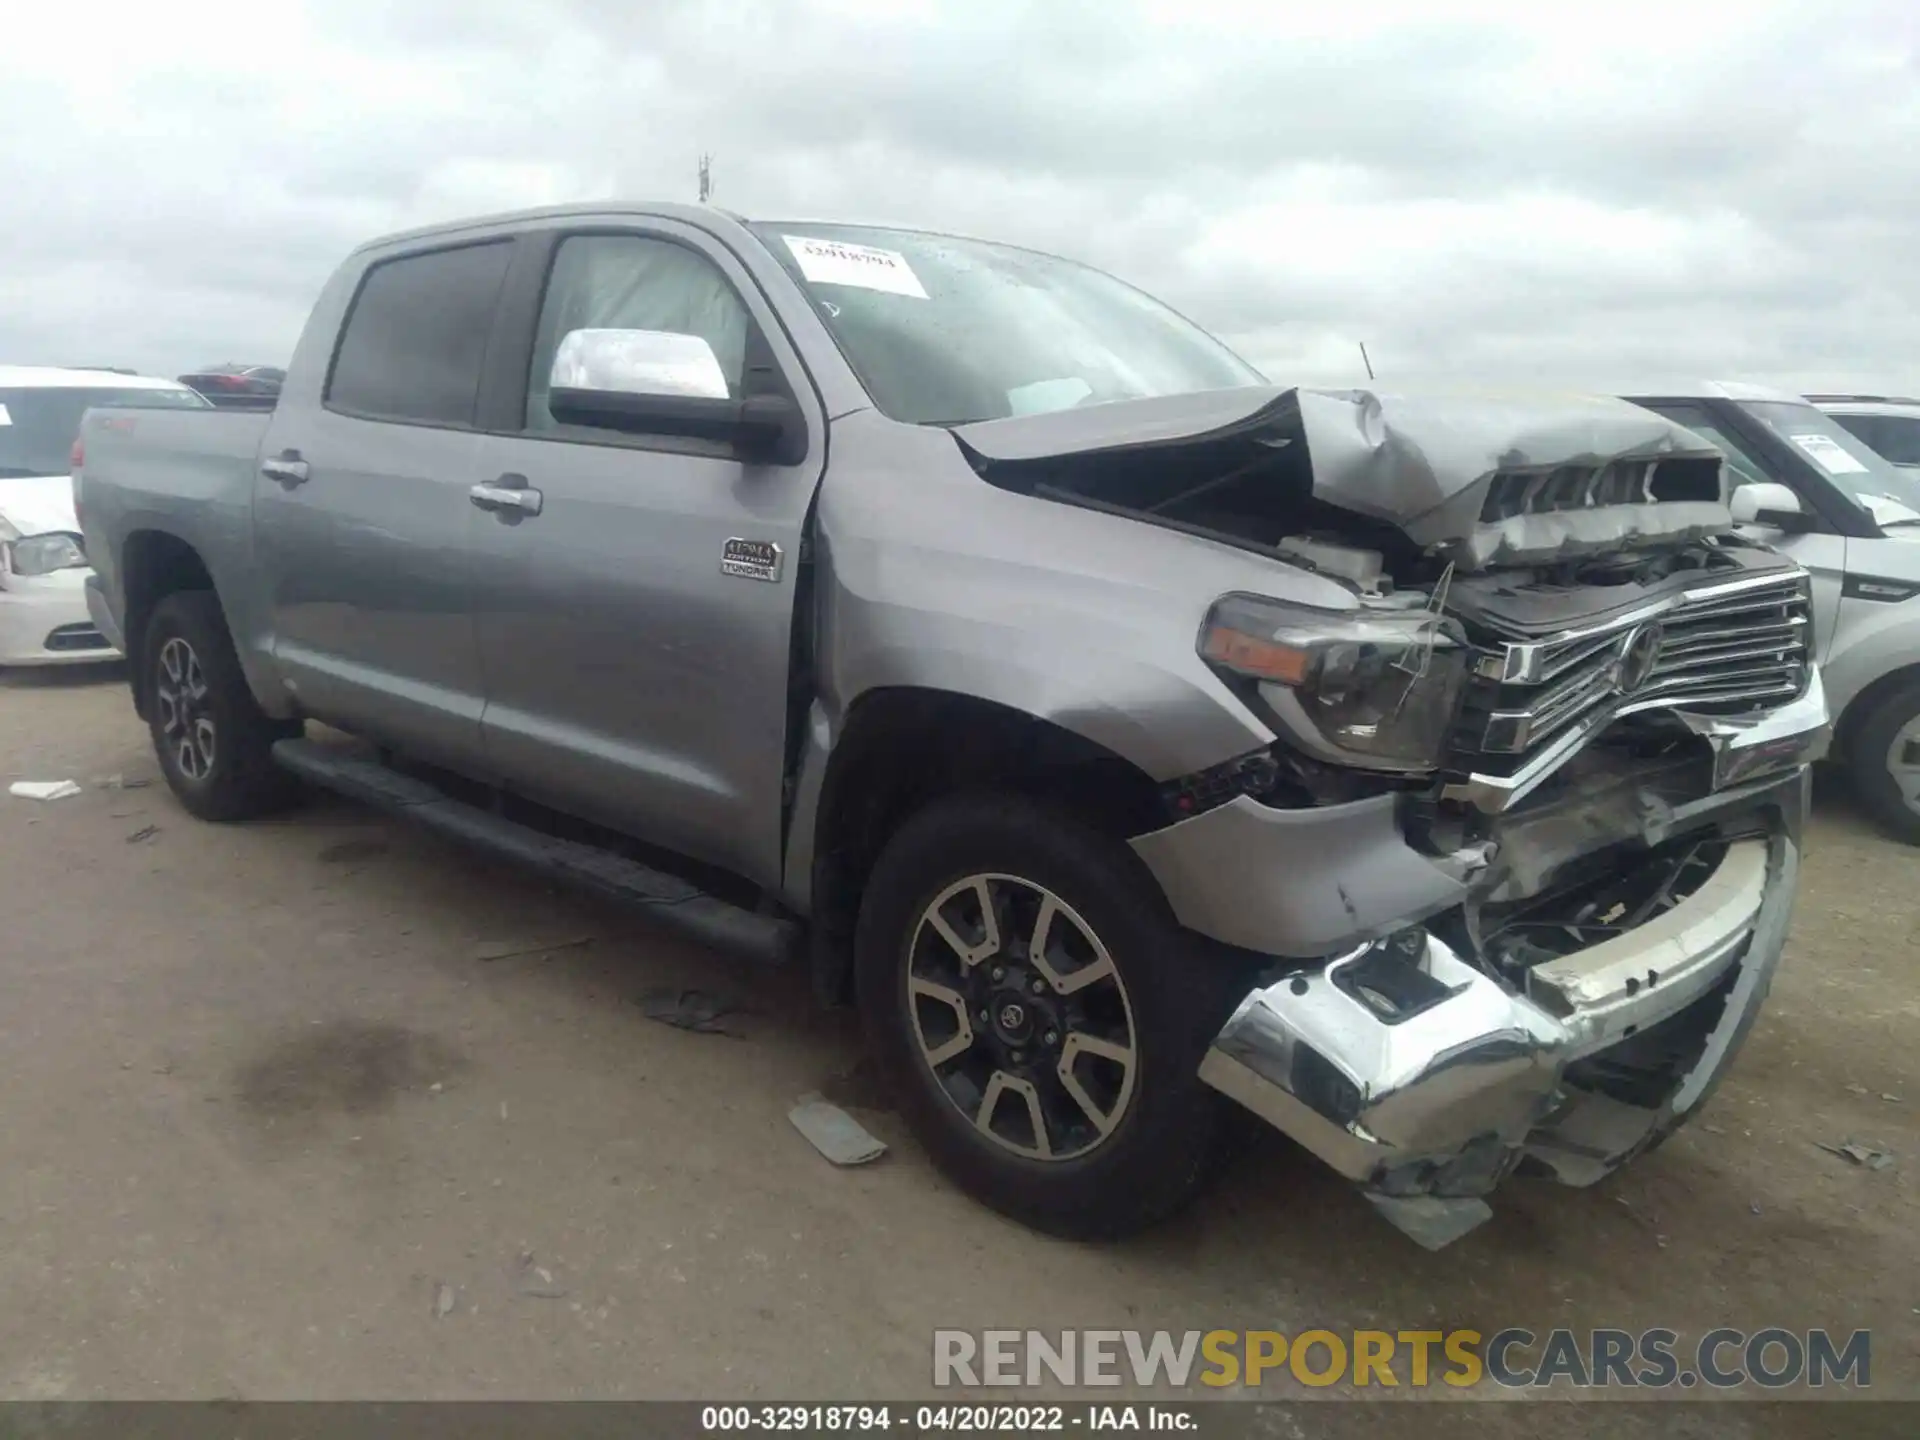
<point>1805,483</point>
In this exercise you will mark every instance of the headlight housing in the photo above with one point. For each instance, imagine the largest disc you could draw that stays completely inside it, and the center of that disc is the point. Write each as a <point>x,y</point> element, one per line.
<point>1374,688</point>
<point>43,554</point>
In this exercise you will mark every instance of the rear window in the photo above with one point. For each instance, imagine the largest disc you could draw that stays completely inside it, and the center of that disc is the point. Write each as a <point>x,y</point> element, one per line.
<point>416,336</point>
<point>38,424</point>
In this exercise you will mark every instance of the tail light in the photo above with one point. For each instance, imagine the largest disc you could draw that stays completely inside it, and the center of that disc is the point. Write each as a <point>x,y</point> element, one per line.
<point>77,456</point>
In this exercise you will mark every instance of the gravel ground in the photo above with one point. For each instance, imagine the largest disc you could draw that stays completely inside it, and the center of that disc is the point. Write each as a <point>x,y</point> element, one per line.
<point>278,1127</point>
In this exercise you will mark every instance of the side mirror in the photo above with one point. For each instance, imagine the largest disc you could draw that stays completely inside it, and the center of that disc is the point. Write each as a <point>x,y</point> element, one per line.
<point>1769,503</point>
<point>658,382</point>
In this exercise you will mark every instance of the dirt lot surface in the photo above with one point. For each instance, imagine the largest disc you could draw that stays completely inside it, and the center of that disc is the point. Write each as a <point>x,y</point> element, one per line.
<point>276,1127</point>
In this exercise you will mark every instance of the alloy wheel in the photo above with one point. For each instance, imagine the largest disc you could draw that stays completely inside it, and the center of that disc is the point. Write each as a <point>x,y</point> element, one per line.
<point>1022,1017</point>
<point>183,702</point>
<point>1903,763</point>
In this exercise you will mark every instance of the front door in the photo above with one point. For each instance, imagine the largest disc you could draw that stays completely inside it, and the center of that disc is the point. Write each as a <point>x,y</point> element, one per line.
<point>361,514</point>
<point>630,676</point>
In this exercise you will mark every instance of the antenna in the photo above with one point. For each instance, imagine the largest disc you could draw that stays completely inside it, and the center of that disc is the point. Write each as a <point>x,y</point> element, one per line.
<point>706,177</point>
<point>1363,355</point>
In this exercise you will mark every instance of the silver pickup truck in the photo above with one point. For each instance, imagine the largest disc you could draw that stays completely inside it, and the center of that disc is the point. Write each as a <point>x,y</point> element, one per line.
<point>1120,730</point>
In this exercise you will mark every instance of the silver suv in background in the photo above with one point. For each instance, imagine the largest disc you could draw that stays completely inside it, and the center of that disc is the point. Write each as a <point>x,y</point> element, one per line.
<point>1122,730</point>
<point>1806,483</point>
<point>1889,424</point>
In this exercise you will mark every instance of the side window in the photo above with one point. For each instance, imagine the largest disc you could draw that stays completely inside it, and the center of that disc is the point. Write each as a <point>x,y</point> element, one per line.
<point>416,336</point>
<point>634,282</point>
<point>1745,468</point>
<point>1895,437</point>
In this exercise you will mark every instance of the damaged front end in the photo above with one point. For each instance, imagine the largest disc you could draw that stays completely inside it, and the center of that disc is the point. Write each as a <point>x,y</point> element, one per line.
<point>1525,845</point>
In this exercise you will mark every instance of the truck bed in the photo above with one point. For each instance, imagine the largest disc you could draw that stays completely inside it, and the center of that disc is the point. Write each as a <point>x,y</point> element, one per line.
<point>170,455</point>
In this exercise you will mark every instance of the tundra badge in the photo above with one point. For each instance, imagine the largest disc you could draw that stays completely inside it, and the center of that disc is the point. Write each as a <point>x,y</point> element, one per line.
<point>750,559</point>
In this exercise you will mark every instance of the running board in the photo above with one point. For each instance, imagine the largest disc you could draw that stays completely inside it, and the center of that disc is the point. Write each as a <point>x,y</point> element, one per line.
<point>765,939</point>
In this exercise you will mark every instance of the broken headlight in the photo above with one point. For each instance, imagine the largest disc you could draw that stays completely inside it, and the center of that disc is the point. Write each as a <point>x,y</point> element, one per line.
<point>1371,688</point>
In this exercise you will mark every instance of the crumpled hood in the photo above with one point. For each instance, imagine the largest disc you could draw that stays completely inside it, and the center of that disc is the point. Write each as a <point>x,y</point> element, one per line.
<point>38,504</point>
<point>1425,462</point>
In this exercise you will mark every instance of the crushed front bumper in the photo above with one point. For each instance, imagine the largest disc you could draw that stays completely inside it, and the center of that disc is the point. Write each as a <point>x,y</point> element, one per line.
<point>1426,1080</point>
<point>1430,1108</point>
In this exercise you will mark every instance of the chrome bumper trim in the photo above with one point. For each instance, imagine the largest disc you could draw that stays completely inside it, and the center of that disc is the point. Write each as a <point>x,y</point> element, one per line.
<point>1441,1100</point>
<point>1743,748</point>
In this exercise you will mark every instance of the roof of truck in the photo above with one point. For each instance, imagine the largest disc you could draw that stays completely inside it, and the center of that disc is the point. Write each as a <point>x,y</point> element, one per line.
<point>665,209</point>
<point>57,377</point>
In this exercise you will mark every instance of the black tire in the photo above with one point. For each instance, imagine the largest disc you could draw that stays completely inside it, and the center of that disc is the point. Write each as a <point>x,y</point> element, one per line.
<point>1868,744</point>
<point>227,771</point>
<point>1159,1150</point>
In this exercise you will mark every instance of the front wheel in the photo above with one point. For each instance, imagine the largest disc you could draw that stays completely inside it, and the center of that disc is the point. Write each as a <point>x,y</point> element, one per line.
<point>1040,1015</point>
<point>213,741</point>
<point>1884,756</point>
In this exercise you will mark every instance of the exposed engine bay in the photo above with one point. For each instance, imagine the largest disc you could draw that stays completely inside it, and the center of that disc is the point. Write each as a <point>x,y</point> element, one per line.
<point>1529,579</point>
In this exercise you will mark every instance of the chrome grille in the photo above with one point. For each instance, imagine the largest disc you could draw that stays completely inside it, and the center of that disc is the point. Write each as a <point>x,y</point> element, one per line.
<point>1724,649</point>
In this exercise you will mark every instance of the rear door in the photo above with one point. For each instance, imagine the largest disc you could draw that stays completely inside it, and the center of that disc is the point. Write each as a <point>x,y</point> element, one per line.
<point>630,677</point>
<point>362,517</point>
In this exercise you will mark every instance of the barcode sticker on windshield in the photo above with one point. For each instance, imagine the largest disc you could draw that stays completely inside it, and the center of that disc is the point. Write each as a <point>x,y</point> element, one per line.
<point>1829,455</point>
<point>830,262</point>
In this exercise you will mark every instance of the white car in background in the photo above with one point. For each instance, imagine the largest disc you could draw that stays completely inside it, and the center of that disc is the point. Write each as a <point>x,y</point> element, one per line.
<point>43,565</point>
<point>1889,425</point>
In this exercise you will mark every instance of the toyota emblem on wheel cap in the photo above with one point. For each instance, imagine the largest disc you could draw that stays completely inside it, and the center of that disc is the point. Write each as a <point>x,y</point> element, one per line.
<point>1638,657</point>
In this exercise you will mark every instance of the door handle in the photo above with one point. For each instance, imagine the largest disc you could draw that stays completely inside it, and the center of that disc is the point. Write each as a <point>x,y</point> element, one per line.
<point>508,493</point>
<point>286,469</point>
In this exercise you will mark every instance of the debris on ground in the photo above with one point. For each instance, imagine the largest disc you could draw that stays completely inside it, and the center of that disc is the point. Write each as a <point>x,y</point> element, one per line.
<point>833,1132</point>
<point>43,789</point>
<point>145,832</point>
<point>1856,1089</point>
<point>1864,1155</point>
<point>1890,1099</point>
<point>490,950</point>
<point>119,782</point>
<point>443,1298</point>
<point>693,1010</point>
<point>536,1282</point>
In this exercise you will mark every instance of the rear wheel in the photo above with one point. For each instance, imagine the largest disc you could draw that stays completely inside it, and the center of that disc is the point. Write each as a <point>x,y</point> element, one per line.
<point>213,741</point>
<point>1040,1016</point>
<point>1884,756</point>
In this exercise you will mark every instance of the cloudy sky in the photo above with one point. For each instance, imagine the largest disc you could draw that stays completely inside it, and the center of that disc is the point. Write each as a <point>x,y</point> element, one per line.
<point>1468,186</point>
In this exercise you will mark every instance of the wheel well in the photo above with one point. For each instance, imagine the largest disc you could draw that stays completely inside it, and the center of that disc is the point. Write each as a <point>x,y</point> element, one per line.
<point>901,750</point>
<point>1847,726</point>
<point>154,565</point>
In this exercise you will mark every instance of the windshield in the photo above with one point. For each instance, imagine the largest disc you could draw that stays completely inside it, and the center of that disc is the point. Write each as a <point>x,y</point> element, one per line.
<point>1890,495</point>
<point>944,331</point>
<point>39,423</point>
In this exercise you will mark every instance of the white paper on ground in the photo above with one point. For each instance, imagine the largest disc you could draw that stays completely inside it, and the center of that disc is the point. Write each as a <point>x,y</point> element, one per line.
<point>833,1132</point>
<point>5,418</point>
<point>43,789</point>
<point>830,262</point>
<point>1829,454</point>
